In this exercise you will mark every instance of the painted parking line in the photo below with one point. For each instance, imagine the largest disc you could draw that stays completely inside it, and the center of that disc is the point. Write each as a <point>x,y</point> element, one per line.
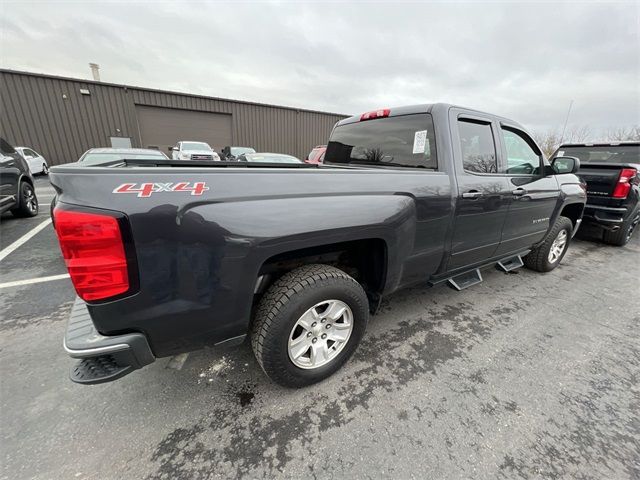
<point>30,281</point>
<point>23,239</point>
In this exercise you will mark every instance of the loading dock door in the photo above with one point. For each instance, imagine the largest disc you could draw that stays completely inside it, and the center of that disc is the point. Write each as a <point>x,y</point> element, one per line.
<point>162,128</point>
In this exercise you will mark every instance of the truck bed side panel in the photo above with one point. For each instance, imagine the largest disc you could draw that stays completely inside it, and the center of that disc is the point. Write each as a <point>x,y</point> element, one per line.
<point>199,257</point>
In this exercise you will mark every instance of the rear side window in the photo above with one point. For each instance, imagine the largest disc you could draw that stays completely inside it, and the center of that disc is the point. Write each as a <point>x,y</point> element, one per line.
<point>403,141</point>
<point>478,146</point>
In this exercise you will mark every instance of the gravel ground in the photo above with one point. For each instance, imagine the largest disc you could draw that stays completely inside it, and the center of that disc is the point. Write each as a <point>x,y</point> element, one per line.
<point>526,375</point>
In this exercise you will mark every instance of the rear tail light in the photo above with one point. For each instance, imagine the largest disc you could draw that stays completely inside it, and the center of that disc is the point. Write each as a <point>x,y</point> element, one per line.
<point>624,183</point>
<point>384,112</point>
<point>94,253</point>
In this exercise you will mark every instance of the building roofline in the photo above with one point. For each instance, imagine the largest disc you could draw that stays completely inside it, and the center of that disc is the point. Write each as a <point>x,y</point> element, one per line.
<point>170,92</point>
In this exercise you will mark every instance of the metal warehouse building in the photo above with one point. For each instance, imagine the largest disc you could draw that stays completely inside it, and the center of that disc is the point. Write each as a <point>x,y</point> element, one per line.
<point>61,118</point>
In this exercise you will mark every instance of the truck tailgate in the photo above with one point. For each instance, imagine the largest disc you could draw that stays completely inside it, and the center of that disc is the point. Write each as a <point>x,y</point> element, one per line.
<point>601,179</point>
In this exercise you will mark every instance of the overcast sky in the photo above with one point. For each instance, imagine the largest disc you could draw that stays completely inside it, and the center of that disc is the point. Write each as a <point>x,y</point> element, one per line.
<point>521,60</point>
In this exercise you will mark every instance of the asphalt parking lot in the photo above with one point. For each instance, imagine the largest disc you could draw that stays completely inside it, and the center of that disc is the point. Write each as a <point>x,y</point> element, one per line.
<point>526,375</point>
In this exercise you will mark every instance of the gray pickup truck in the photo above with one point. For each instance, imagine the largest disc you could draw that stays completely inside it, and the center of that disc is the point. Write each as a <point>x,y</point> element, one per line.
<point>170,256</point>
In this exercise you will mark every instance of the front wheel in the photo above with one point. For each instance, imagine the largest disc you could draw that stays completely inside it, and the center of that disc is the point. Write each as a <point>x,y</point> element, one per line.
<point>308,324</point>
<point>546,256</point>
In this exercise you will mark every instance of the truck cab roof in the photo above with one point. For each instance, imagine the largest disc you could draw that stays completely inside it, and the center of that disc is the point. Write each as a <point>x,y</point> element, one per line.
<point>426,108</point>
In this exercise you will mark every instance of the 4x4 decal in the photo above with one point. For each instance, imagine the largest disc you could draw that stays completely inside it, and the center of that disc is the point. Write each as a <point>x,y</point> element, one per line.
<point>144,190</point>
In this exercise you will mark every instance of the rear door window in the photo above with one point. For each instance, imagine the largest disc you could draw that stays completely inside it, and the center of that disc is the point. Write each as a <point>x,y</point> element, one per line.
<point>402,141</point>
<point>478,146</point>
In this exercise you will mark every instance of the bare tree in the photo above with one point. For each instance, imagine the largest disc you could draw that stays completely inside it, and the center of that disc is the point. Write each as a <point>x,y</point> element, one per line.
<point>578,134</point>
<point>622,134</point>
<point>548,141</point>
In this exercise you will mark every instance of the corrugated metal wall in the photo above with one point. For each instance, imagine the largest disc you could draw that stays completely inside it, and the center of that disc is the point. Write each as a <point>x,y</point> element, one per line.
<point>50,115</point>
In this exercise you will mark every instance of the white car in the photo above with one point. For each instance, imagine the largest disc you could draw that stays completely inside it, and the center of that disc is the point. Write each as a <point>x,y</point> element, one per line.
<point>37,163</point>
<point>187,150</point>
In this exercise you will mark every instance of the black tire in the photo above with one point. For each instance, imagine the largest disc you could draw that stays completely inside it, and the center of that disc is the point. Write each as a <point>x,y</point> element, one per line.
<point>621,237</point>
<point>538,258</point>
<point>27,201</point>
<point>282,306</point>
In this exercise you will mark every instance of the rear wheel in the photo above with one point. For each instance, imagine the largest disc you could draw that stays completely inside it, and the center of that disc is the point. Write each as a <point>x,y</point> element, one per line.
<point>27,202</point>
<point>622,236</point>
<point>546,256</point>
<point>308,324</point>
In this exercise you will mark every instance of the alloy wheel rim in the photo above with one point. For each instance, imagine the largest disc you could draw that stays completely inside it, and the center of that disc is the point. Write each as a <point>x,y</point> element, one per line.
<point>320,334</point>
<point>30,199</point>
<point>558,246</point>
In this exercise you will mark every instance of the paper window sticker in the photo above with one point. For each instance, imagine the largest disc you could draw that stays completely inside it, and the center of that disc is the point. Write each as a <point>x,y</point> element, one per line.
<point>420,141</point>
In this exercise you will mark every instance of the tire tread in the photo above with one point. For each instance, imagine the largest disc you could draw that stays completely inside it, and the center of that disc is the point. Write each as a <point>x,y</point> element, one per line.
<point>275,299</point>
<point>537,258</point>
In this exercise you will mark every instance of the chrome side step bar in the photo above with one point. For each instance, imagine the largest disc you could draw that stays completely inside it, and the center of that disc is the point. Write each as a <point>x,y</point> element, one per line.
<point>511,263</point>
<point>465,280</point>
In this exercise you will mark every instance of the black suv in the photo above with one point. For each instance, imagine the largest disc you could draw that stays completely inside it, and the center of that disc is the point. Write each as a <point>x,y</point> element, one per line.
<point>16,181</point>
<point>612,173</point>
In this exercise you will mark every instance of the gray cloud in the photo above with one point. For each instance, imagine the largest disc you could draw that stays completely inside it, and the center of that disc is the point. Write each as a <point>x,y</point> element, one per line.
<point>522,60</point>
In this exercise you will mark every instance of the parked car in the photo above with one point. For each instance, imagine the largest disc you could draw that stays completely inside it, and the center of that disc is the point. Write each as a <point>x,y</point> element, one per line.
<point>18,193</point>
<point>97,156</point>
<point>230,154</point>
<point>297,258</point>
<point>193,151</point>
<point>37,163</point>
<point>316,156</point>
<point>612,173</point>
<point>268,158</point>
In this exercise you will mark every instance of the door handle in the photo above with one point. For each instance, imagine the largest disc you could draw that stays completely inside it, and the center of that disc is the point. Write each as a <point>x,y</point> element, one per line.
<point>519,192</point>
<point>472,194</point>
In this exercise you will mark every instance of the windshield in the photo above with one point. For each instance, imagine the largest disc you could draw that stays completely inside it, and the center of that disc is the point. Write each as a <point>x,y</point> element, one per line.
<point>270,158</point>
<point>603,153</point>
<point>98,158</point>
<point>195,146</point>
<point>403,141</point>
<point>235,151</point>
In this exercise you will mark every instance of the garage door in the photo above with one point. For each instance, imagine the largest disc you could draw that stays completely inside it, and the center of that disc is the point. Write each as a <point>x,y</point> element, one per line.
<point>162,128</point>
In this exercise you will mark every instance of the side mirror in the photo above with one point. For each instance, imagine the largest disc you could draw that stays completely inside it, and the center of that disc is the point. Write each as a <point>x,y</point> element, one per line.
<point>562,165</point>
<point>174,149</point>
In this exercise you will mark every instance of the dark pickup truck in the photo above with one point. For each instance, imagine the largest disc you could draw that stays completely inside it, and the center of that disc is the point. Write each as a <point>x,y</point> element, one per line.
<point>612,173</point>
<point>168,257</point>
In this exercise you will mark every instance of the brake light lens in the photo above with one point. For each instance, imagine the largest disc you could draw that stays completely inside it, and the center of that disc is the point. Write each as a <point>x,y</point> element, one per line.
<point>94,253</point>
<point>623,186</point>
<point>383,112</point>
